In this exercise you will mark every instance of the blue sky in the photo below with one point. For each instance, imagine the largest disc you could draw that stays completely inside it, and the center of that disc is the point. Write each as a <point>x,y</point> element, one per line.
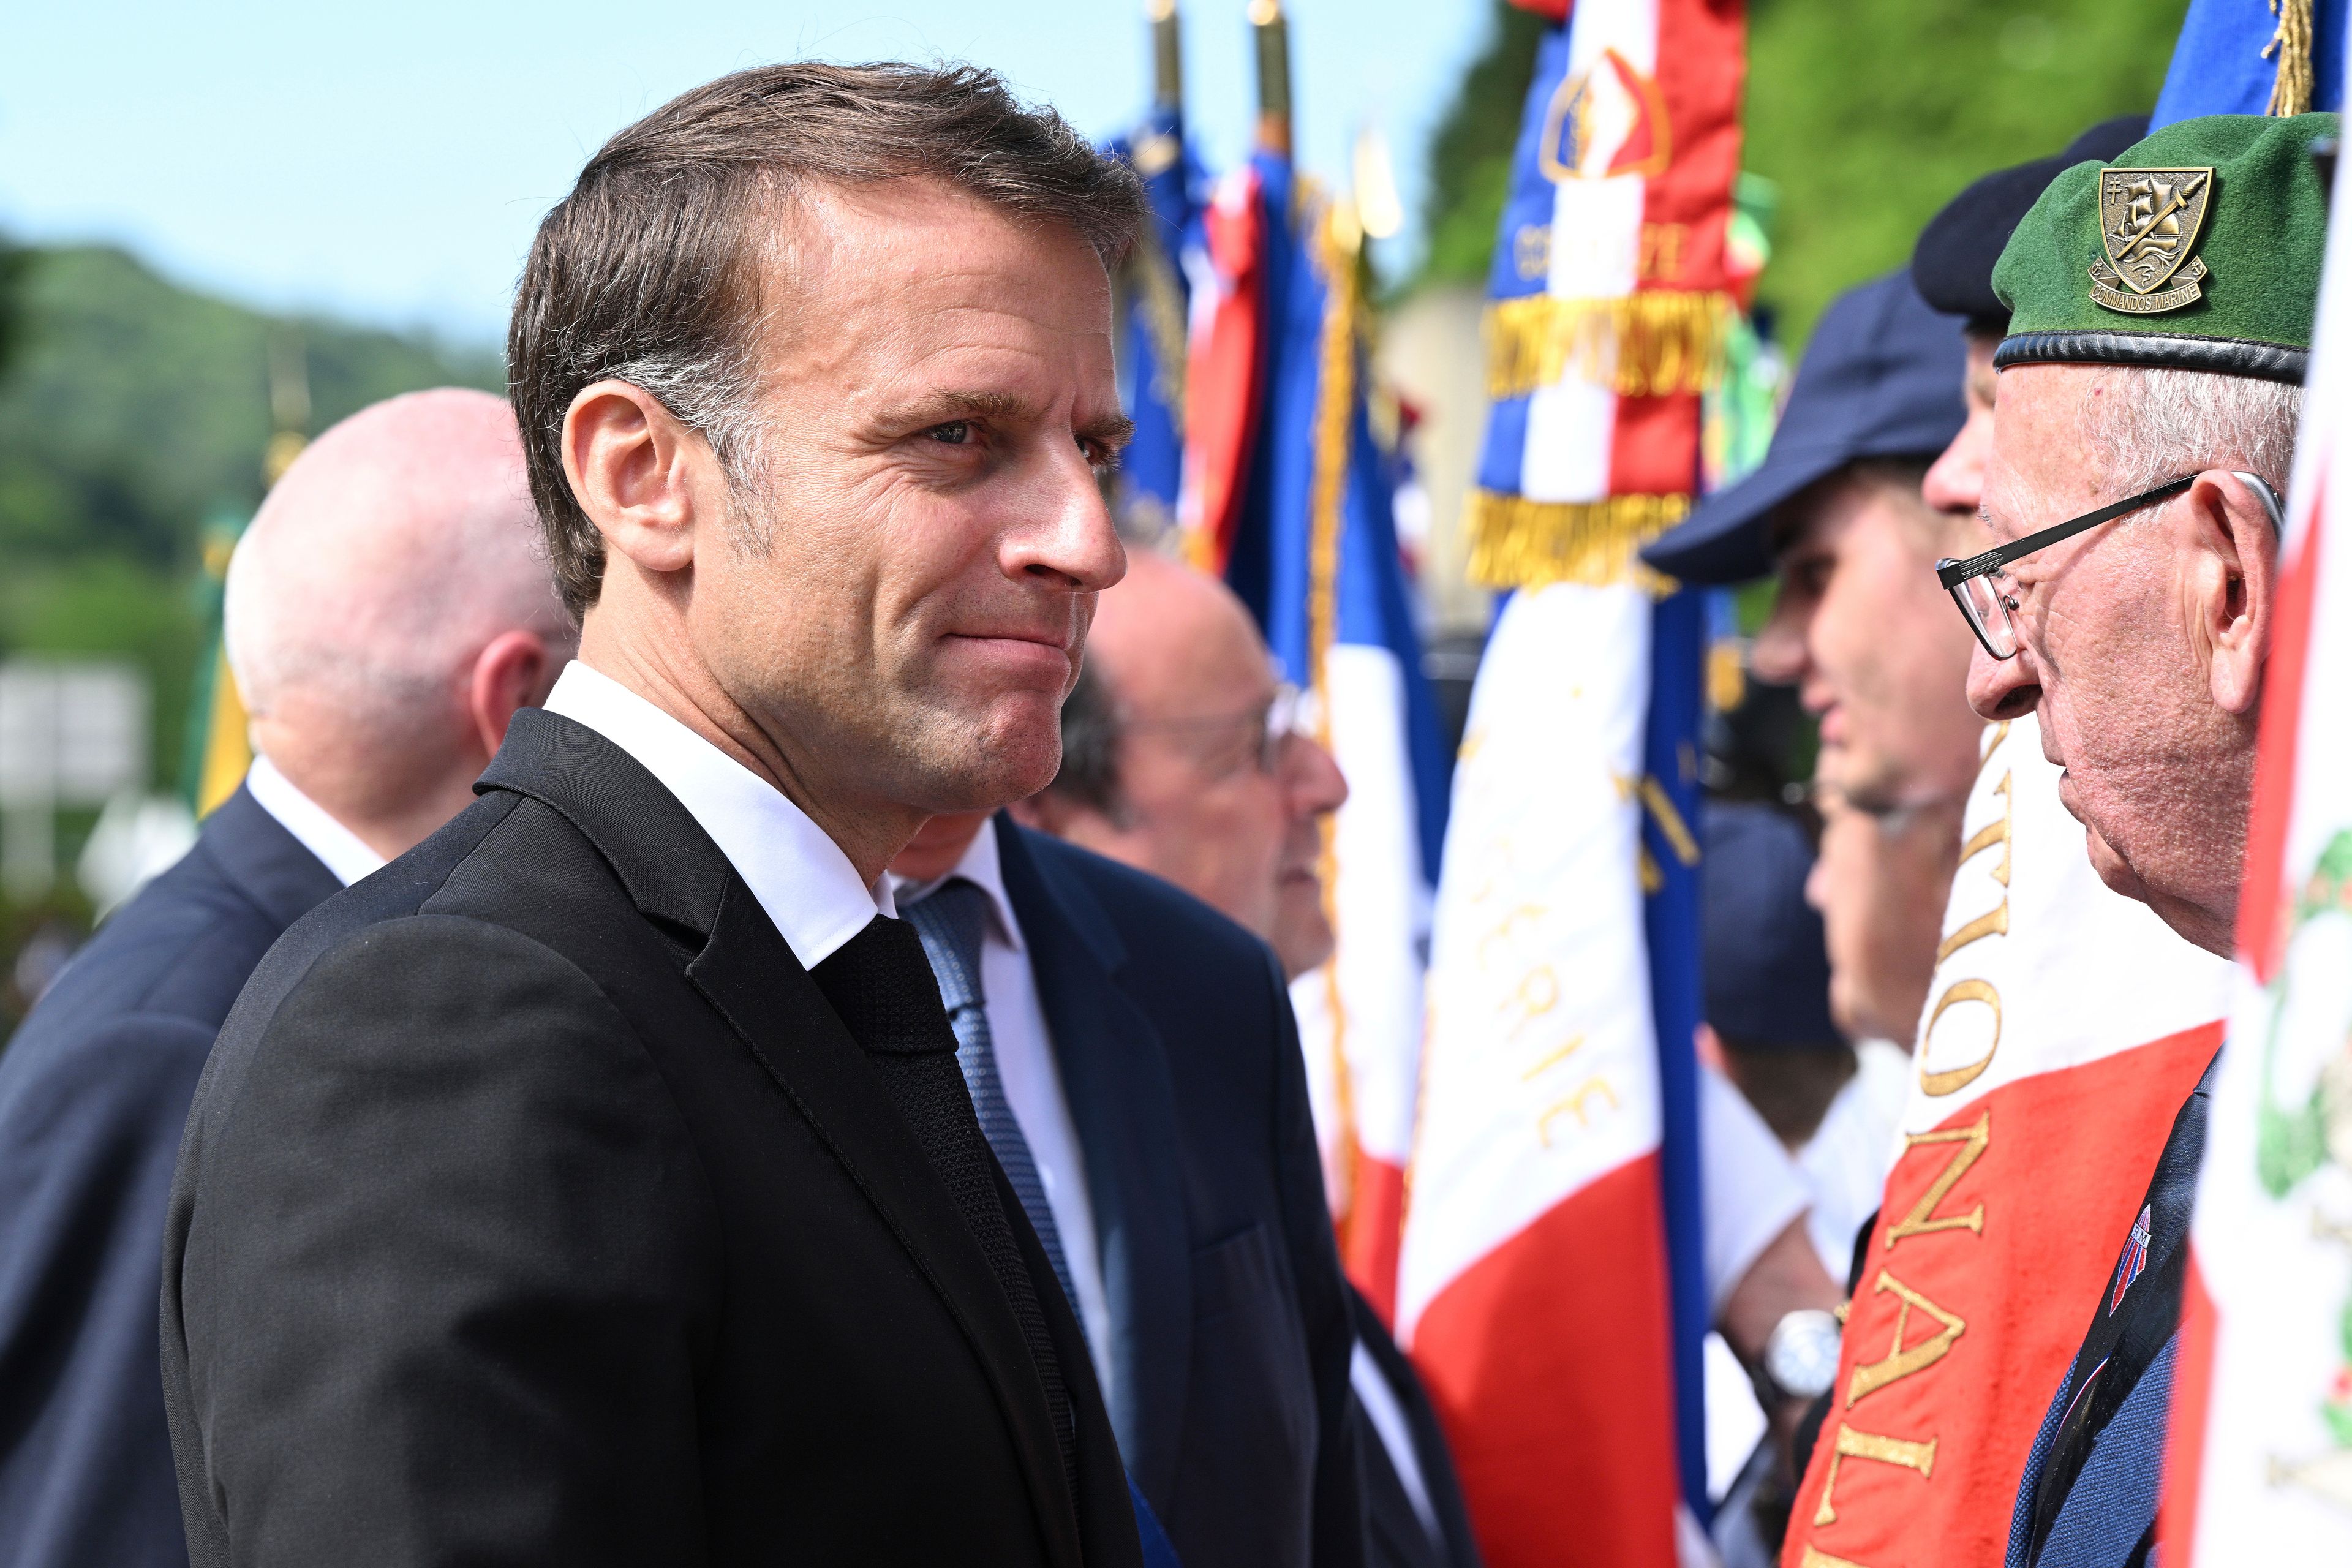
<point>387,162</point>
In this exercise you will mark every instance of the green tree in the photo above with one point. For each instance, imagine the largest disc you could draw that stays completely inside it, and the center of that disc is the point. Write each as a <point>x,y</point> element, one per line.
<point>1470,150</point>
<point>135,406</point>
<point>1870,117</point>
<point>1867,114</point>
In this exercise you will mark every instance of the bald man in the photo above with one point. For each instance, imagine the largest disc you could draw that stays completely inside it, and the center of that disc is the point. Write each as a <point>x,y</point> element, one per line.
<point>386,615</point>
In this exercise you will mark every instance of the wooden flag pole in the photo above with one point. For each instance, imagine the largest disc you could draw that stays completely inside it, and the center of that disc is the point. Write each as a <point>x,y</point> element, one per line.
<point>1273,31</point>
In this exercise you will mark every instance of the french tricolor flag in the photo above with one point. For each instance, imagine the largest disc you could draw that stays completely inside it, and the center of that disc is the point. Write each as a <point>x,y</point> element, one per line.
<point>2259,1466</point>
<point>1288,494</point>
<point>1549,1288</point>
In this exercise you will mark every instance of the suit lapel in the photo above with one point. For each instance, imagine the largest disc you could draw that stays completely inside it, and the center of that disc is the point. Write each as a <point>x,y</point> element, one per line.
<point>1115,1077</point>
<point>749,974</point>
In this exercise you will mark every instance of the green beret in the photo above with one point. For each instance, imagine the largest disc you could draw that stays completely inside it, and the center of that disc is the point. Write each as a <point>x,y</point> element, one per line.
<point>2199,248</point>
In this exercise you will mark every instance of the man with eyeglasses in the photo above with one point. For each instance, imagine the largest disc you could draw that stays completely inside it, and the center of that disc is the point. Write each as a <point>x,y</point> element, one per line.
<point>2150,386</point>
<point>1183,756</point>
<point>1134,1065</point>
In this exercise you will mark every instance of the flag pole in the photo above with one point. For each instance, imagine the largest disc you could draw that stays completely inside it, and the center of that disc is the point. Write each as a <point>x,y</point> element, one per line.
<point>1273,30</point>
<point>1167,55</point>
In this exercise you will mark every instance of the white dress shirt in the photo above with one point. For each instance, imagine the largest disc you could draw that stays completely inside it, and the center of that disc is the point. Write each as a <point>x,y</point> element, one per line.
<point>1846,1162</point>
<point>1033,1085</point>
<point>337,847</point>
<point>1749,1187</point>
<point>800,876</point>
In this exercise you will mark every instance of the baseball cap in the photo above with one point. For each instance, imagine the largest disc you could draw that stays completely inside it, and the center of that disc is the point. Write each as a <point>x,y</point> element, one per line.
<point>1880,379</point>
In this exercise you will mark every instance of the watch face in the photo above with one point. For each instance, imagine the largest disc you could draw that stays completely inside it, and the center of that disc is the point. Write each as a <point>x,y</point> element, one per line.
<point>1801,1355</point>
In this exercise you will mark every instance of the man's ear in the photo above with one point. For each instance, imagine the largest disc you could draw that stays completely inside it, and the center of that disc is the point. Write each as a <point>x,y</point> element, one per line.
<point>515,670</point>
<point>2233,586</point>
<point>632,465</point>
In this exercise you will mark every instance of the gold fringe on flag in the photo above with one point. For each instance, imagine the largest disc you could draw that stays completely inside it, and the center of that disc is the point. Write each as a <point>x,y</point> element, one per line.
<point>1641,345</point>
<point>1520,543</point>
<point>1153,277</point>
<point>1341,239</point>
<point>2290,92</point>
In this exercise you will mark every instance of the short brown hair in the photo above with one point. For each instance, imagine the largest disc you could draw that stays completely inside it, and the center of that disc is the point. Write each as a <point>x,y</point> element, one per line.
<point>649,271</point>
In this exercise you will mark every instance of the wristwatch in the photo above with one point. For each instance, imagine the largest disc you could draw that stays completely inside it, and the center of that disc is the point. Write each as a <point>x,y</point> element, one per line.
<point>1800,1354</point>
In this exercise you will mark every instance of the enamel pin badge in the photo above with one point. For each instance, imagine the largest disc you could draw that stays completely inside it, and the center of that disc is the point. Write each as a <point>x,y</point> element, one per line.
<point>2134,1262</point>
<point>2148,221</point>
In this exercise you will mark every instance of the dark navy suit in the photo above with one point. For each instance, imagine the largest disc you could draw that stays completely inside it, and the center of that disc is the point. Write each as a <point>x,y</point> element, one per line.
<point>94,1091</point>
<point>1179,1061</point>
<point>1398,1537</point>
<point>2092,1486</point>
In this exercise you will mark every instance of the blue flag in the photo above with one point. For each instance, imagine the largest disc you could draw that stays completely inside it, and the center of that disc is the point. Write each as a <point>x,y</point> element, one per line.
<point>1314,555</point>
<point>1152,322</point>
<point>2232,55</point>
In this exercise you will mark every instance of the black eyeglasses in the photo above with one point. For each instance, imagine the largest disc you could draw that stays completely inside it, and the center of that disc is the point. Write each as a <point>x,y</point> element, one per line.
<point>1978,586</point>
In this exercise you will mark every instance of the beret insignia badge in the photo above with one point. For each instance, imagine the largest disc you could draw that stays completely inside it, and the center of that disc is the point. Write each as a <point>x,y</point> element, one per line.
<point>2148,221</point>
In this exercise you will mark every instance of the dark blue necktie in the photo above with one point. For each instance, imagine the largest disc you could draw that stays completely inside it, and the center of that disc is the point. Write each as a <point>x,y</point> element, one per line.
<point>953,920</point>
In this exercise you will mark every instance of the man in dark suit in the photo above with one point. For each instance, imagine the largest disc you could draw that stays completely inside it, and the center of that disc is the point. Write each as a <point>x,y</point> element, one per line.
<point>1132,1056</point>
<point>598,1185</point>
<point>412,513</point>
<point>1179,760</point>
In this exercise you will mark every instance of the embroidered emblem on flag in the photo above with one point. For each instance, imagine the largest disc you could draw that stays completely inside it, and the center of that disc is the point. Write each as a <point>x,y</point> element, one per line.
<point>2135,1258</point>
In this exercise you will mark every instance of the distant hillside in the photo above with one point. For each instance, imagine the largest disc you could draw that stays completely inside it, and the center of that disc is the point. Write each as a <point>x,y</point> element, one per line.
<point>132,407</point>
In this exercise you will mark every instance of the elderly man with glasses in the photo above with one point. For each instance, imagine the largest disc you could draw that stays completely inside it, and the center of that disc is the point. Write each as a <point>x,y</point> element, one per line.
<point>2150,385</point>
<point>1184,755</point>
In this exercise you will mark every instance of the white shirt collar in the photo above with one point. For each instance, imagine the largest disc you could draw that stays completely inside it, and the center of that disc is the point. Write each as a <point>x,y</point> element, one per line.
<point>339,850</point>
<point>796,871</point>
<point>984,867</point>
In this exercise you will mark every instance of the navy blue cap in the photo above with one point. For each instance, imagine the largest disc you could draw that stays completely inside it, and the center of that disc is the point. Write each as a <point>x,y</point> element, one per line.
<point>1881,378</point>
<point>1952,264</point>
<point>1767,964</point>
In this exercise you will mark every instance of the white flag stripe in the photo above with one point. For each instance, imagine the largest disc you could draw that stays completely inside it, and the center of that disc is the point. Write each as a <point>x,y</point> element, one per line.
<point>1380,904</point>
<point>1571,434</point>
<point>1381,898</point>
<point>1542,1072</point>
<point>2273,1233</point>
<point>1596,237</point>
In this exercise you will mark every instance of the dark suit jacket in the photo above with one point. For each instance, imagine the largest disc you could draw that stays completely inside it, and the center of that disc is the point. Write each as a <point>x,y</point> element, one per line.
<point>1399,1540</point>
<point>1179,1057</point>
<point>93,1092</point>
<point>536,1207</point>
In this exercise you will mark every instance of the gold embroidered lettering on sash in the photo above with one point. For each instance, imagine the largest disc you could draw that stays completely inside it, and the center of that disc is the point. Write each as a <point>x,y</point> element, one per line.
<point>1951,1080</point>
<point>1993,832</point>
<point>1814,1559</point>
<point>1923,1220</point>
<point>1901,1360</point>
<point>1994,924</point>
<point>1854,1445</point>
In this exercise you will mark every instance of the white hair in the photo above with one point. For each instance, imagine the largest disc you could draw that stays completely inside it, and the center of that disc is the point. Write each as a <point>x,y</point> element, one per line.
<point>2155,424</point>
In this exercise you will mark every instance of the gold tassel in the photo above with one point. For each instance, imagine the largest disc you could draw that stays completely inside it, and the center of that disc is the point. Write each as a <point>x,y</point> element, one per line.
<point>1640,345</point>
<point>2291,93</point>
<point>1520,543</point>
